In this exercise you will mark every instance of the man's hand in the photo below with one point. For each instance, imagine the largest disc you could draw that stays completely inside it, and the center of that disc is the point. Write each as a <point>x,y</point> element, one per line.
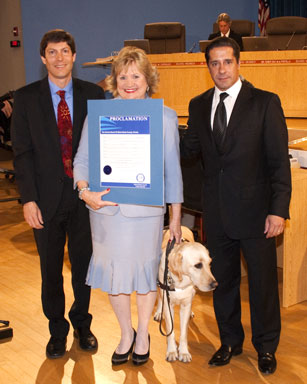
<point>274,226</point>
<point>33,215</point>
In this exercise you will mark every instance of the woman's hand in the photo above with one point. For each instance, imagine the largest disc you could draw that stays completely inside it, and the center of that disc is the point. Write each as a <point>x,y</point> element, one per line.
<point>175,223</point>
<point>94,199</point>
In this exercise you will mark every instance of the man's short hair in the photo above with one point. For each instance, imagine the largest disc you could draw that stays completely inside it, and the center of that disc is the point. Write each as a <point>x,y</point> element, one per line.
<point>224,17</point>
<point>57,36</point>
<point>223,42</point>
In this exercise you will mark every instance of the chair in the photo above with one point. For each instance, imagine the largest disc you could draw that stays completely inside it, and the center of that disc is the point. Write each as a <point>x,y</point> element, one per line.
<point>241,27</point>
<point>5,136</point>
<point>203,44</point>
<point>139,43</point>
<point>287,32</point>
<point>7,189</point>
<point>165,37</point>
<point>192,190</point>
<point>255,43</point>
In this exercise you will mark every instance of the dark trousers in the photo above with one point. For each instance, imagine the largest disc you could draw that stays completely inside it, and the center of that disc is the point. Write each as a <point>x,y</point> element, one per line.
<point>71,221</point>
<point>261,260</point>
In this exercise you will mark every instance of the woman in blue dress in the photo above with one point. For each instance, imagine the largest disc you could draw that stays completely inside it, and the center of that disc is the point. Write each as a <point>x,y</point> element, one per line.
<point>127,238</point>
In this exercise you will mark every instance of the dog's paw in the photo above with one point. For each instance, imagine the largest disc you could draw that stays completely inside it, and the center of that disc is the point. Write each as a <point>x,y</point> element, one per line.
<point>185,357</point>
<point>158,316</point>
<point>171,356</point>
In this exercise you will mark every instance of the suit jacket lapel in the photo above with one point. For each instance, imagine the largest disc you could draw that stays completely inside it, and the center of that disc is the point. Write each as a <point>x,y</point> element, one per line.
<point>80,107</point>
<point>47,107</point>
<point>241,106</point>
<point>208,97</point>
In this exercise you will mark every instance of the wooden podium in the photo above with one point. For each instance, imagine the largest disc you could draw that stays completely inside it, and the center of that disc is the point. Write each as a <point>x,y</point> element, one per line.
<point>292,244</point>
<point>185,75</point>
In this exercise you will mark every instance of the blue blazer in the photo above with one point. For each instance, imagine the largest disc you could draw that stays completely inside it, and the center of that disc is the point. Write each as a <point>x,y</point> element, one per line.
<point>173,187</point>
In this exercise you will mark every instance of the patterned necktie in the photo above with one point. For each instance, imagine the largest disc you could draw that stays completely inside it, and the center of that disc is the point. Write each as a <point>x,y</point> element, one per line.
<point>65,131</point>
<point>220,122</point>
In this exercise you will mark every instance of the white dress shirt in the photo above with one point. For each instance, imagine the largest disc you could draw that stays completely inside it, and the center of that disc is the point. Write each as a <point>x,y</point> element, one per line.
<point>229,101</point>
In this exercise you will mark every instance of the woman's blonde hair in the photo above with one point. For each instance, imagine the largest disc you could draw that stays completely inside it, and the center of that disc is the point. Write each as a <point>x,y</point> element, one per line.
<point>127,56</point>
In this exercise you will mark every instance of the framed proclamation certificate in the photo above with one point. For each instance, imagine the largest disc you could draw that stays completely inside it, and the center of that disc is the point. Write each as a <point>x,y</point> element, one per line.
<point>126,150</point>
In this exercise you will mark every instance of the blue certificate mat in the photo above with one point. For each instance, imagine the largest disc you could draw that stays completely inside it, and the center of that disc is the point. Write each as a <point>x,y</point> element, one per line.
<point>126,150</point>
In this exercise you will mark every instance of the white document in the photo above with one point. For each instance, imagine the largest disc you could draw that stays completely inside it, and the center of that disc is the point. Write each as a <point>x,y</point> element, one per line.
<point>125,151</point>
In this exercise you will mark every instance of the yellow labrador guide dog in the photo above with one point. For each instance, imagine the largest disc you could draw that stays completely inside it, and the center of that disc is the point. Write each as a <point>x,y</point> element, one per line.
<point>188,266</point>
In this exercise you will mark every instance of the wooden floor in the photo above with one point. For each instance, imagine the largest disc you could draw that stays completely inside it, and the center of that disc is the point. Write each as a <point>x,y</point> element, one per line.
<point>23,360</point>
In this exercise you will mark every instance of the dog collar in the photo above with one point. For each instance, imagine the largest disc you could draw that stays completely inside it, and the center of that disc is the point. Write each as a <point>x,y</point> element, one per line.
<point>170,286</point>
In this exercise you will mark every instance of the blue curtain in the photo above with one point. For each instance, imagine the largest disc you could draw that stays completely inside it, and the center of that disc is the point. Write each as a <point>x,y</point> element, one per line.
<point>288,8</point>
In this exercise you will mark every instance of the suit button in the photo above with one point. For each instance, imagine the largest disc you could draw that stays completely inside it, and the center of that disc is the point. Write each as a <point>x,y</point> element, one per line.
<point>222,170</point>
<point>61,179</point>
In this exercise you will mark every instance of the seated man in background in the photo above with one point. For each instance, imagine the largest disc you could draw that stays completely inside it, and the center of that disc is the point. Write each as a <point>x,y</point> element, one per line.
<point>224,23</point>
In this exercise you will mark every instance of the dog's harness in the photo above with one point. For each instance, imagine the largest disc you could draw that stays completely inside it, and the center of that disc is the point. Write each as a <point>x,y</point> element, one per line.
<point>167,285</point>
<point>168,282</point>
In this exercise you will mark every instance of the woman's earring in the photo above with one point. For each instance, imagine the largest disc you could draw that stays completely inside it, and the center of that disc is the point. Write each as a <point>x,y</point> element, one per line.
<point>147,89</point>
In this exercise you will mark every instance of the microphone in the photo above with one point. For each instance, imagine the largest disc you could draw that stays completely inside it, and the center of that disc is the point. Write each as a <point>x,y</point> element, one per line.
<point>191,49</point>
<point>288,43</point>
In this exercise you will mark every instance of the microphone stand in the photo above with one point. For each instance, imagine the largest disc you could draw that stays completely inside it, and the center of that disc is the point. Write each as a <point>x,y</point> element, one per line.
<point>191,49</point>
<point>288,43</point>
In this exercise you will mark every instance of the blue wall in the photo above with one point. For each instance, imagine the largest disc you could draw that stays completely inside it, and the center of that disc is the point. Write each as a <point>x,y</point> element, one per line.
<point>100,27</point>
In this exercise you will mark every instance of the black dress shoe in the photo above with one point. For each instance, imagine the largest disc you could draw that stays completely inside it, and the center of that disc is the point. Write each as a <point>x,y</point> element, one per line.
<point>87,341</point>
<point>141,359</point>
<point>223,355</point>
<point>267,362</point>
<point>56,347</point>
<point>121,358</point>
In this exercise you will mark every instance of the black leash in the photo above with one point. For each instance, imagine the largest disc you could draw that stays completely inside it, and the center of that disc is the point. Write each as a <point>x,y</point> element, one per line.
<point>5,323</point>
<point>165,286</point>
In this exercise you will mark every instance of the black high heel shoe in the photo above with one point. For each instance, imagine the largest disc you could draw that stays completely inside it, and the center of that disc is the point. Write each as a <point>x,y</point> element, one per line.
<point>141,359</point>
<point>122,358</point>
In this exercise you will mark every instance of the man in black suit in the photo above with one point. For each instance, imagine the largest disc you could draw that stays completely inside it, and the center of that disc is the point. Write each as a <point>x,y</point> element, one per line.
<point>50,203</point>
<point>224,23</point>
<point>246,196</point>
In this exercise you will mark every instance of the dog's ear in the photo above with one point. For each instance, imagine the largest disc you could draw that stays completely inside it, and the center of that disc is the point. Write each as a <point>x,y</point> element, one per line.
<point>175,264</point>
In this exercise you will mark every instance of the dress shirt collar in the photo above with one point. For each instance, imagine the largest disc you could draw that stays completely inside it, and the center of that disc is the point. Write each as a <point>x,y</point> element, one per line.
<point>54,88</point>
<point>229,101</point>
<point>226,34</point>
<point>233,91</point>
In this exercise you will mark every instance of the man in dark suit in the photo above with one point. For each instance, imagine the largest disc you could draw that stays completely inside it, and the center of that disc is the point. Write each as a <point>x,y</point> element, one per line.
<point>43,165</point>
<point>246,195</point>
<point>224,23</point>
